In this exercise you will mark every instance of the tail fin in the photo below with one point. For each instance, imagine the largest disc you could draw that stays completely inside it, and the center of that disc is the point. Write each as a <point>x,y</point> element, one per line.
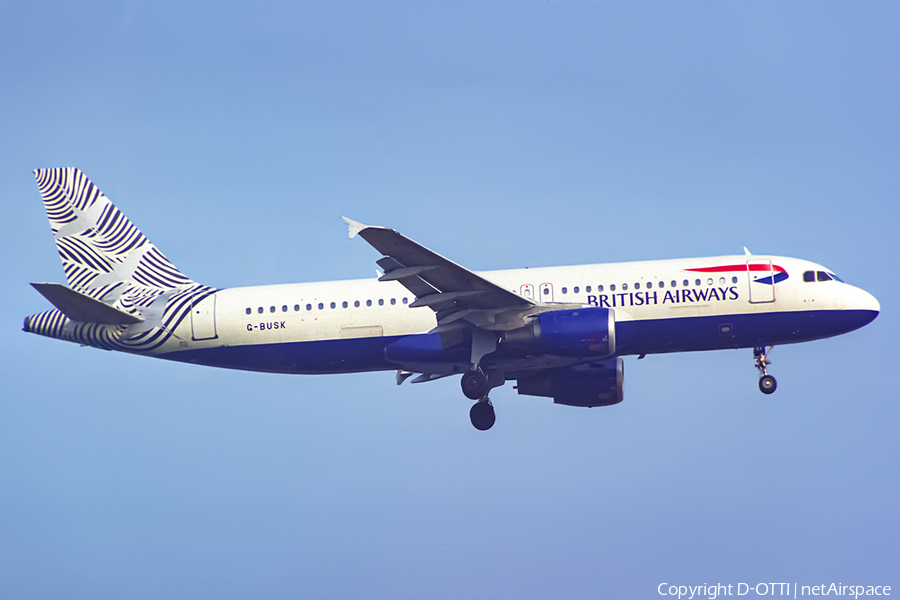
<point>123,293</point>
<point>98,245</point>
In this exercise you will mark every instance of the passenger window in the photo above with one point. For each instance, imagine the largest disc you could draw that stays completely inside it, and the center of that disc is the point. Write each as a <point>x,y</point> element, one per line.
<point>333,305</point>
<point>709,281</point>
<point>565,290</point>
<point>721,281</point>
<point>734,280</point>
<point>587,289</point>
<point>284,308</point>
<point>685,283</point>
<point>260,310</point>
<point>356,304</point>
<point>321,306</point>
<point>344,304</point>
<point>809,276</point>
<point>575,290</point>
<point>368,303</point>
<point>249,311</point>
<point>696,282</point>
<point>309,307</point>
<point>381,302</point>
<point>612,288</point>
<point>624,286</point>
<point>674,284</point>
<point>637,286</point>
<point>271,309</point>
<point>546,291</point>
<point>599,288</point>
<point>393,301</point>
<point>404,301</point>
<point>296,308</point>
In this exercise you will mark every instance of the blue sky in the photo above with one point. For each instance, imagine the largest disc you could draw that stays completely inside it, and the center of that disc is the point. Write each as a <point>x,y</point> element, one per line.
<point>501,135</point>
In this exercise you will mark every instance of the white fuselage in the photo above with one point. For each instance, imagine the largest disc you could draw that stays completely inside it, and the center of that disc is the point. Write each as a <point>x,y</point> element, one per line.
<point>651,291</point>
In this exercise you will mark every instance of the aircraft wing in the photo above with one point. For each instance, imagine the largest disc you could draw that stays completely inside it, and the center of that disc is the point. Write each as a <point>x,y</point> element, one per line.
<point>460,297</point>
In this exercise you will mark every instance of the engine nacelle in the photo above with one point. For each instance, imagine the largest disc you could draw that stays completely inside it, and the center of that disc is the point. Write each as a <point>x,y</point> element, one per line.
<point>598,384</point>
<point>583,332</point>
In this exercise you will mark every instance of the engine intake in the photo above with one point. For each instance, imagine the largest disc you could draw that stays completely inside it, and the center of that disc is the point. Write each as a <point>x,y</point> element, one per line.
<point>582,332</point>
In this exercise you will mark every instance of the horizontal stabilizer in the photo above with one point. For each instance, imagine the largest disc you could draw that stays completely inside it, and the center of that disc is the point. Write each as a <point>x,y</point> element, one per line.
<point>80,307</point>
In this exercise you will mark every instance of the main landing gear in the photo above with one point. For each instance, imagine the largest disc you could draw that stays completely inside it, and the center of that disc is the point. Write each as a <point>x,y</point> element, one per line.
<point>476,383</point>
<point>475,386</point>
<point>767,383</point>
<point>482,414</point>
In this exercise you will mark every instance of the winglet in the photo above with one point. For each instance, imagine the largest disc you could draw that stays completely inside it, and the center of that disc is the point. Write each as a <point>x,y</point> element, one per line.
<point>747,252</point>
<point>355,226</point>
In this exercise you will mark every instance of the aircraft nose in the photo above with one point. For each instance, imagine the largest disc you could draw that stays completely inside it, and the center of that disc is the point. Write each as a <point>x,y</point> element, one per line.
<point>871,303</point>
<point>867,304</point>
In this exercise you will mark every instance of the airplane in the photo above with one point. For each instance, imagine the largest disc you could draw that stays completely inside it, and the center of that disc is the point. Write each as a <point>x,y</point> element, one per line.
<point>558,332</point>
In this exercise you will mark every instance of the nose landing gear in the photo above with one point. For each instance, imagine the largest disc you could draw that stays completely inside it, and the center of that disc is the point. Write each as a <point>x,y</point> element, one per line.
<point>767,383</point>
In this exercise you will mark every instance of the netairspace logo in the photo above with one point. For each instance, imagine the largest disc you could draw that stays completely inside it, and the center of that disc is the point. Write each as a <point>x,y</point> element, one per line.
<point>792,590</point>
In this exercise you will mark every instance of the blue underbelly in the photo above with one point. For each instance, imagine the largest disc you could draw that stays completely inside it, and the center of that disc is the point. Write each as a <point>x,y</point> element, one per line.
<point>684,334</point>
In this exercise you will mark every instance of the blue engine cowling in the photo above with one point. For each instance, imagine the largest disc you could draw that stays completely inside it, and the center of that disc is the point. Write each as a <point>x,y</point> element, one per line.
<point>580,332</point>
<point>596,384</point>
<point>583,333</point>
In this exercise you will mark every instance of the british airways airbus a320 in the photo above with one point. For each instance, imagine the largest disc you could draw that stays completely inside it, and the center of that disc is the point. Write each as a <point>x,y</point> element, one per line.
<point>559,332</point>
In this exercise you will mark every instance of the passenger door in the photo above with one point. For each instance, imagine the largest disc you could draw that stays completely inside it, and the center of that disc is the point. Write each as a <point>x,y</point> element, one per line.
<point>203,318</point>
<point>761,277</point>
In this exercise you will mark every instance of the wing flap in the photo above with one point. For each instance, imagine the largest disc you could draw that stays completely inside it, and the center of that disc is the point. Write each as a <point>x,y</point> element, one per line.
<point>406,272</point>
<point>443,300</point>
<point>407,276</point>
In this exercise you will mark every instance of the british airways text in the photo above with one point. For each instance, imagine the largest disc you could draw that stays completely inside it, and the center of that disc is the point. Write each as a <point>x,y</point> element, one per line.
<point>670,297</point>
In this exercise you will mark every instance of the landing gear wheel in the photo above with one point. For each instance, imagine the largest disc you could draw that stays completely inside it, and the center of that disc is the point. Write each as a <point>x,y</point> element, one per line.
<point>474,384</point>
<point>767,384</point>
<point>482,415</point>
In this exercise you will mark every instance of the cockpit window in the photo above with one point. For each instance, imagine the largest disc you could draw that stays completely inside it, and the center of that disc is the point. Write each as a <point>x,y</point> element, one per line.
<point>820,276</point>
